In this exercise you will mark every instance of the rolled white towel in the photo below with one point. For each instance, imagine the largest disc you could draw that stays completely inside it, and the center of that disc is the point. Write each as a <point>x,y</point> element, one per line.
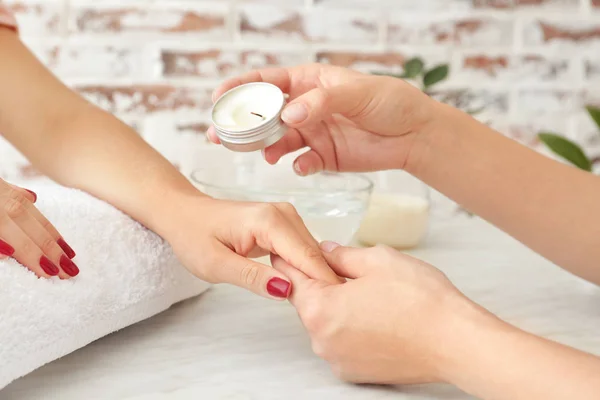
<point>128,274</point>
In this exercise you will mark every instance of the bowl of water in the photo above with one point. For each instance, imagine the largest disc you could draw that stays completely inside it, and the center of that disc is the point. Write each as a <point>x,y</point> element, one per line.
<point>332,205</point>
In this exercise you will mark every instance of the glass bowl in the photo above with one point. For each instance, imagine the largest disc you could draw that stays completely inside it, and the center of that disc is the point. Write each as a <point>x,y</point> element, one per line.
<point>332,205</point>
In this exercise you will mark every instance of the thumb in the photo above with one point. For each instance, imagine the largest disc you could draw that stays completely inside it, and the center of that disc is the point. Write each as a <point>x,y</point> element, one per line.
<point>317,104</point>
<point>254,276</point>
<point>349,262</point>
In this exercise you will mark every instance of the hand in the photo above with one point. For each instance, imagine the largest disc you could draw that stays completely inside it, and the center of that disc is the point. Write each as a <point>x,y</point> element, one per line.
<point>215,240</point>
<point>350,121</point>
<point>393,323</point>
<point>27,236</point>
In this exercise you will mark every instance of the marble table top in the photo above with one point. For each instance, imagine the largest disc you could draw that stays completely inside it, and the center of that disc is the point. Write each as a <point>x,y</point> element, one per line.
<point>230,344</point>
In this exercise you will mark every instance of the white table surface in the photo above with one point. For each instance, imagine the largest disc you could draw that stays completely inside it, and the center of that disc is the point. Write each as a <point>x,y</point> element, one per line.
<point>229,344</point>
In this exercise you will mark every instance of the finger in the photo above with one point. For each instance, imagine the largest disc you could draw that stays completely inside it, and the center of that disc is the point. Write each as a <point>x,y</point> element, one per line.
<point>254,276</point>
<point>295,244</point>
<point>292,141</point>
<point>211,134</point>
<point>320,103</point>
<point>24,250</point>
<point>29,194</point>
<point>279,77</point>
<point>52,231</point>
<point>42,239</point>
<point>350,262</point>
<point>298,278</point>
<point>309,163</point>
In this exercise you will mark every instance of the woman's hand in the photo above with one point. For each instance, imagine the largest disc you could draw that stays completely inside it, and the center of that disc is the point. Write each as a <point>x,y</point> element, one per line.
<point>216,240</point>
<point>350,121</point>
<point>390,324</point>
<point>397,321</point>
<point>27,236</point>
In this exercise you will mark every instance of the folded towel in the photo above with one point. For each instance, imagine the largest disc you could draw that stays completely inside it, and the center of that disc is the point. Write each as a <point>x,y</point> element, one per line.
<point>127,274</point>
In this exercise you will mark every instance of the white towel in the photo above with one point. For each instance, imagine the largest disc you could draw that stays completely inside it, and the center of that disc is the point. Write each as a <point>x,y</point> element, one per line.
<point>127,274</point>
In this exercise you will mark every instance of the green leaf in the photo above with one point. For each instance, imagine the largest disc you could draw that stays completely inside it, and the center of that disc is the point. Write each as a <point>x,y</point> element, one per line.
<point>399,76</point>
<point>475,111</point>
<point>413,68</point>
<point>567,150</point>
<point>594,113</point>
<point>436,75</point>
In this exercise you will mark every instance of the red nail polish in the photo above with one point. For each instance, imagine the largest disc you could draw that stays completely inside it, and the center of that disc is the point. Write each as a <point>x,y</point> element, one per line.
<point>48,266</point>
<point>66,248</point>
<point>6,248</point>
<point>33,194</point>
<point>68,266</point>
<point>277,287</point>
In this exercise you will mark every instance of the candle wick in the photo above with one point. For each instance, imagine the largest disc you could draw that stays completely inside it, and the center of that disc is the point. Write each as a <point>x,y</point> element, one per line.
<point>257,114</point>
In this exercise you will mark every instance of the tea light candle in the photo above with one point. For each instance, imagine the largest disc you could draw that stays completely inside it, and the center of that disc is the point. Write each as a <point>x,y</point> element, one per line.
<point>248,117</point>
<point>398,221</point>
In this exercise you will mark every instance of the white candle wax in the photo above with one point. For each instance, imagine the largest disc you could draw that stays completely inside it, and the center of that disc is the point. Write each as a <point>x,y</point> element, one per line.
<point>248,107</point>
<point>398,221</point>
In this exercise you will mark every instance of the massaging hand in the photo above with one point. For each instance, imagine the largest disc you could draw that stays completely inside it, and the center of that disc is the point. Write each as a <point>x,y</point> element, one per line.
<point>344,117</point>
<point>215,240</point>
<point>27,236</point>
<point>387,325</point>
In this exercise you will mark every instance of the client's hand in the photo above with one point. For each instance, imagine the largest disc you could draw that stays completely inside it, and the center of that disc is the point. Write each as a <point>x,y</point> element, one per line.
<point>215,240</point>
<point>394,323</point>
<point>29,237</point>
<point>350,121</point>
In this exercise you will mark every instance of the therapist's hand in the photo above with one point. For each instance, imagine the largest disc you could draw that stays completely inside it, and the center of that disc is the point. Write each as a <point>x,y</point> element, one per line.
<point>395,322</point>
<point>216,240</point>
<point>350,122</point>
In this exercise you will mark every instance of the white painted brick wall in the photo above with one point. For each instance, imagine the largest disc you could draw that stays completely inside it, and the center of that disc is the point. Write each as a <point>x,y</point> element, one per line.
<point>154,63</point>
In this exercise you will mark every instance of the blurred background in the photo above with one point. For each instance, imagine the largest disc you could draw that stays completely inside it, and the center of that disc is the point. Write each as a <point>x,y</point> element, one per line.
<point>525,66</point>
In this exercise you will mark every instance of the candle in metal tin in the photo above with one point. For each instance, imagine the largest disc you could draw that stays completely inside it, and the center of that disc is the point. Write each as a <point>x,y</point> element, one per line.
<point>248,117</point>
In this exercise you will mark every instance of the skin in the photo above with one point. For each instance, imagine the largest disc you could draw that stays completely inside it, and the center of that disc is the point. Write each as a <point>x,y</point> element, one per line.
<point>81,146</point>
<point>342,118</point>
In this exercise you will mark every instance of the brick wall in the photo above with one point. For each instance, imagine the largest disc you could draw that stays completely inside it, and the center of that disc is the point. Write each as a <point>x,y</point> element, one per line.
<point>154,63</point>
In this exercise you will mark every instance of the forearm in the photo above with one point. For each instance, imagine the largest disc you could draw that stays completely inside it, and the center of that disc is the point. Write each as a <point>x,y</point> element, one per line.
<point>546,205</point>
<point>78,145</point>
<point>495,361</point>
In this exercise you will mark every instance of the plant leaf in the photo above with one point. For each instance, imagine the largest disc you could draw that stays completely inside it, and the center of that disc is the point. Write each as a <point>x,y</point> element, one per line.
<point>567,150</point>
<point>475,111</point>
<point>594,113</point>
<point>435,75</point>
<point>413,68</point>
<point>399,76</point>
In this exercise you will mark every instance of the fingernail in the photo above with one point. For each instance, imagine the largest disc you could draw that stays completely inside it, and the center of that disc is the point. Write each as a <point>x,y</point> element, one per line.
<point>6,248</point>
<point>295,113</point>
<point>33,194</point>
<point>328,247</point>
<point>48,266</point>
<point>66,248</point>
<point>68,266</point>
<point>278,287</point>
<point>297,168</point>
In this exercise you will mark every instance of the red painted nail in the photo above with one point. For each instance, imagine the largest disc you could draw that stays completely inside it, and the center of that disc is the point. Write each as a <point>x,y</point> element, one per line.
<point>278,287</point>
<point>68,266</point>
<point>6,248</point>
<point>66,248</point>
<point>48,266</point>
<point>33,194</point>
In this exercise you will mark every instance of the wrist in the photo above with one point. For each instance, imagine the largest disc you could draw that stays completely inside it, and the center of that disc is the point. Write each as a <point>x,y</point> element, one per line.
<point>469,332</point>
<point>434,136</point>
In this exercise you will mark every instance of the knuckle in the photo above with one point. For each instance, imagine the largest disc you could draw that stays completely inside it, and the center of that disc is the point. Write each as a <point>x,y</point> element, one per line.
<point>48,246</point>
<point>267,212</point>
<point>16,195</point>
<point>27,247</point>
<point>14,208</point>
<point>312,253</point>
<point>287,208</point>
<point>313,318</point>
<point>250,274</point>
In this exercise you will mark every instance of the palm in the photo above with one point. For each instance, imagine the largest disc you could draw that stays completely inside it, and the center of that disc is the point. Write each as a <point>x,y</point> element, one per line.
<point>341,143</point>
